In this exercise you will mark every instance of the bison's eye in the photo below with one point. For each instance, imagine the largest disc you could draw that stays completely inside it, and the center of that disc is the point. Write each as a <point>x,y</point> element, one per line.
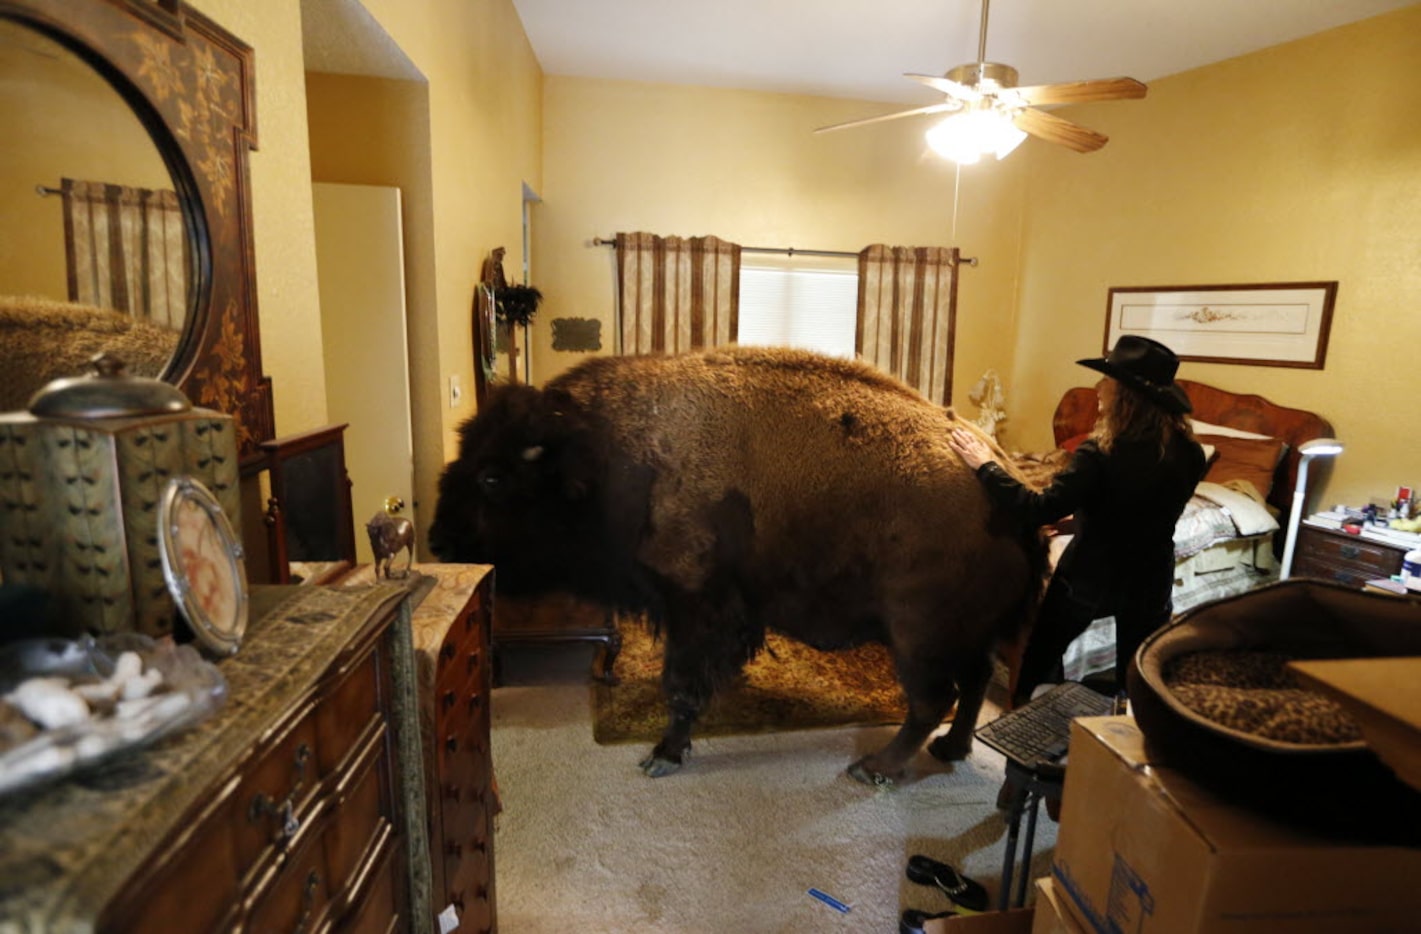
<point>491,482</point>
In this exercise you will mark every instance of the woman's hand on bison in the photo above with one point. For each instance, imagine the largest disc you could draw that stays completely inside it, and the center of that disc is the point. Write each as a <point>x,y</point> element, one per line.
<point>972,449</point>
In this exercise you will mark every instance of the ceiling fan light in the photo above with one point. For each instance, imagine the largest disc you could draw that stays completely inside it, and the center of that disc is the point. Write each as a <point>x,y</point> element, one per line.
<point>964,138</point>
<point>1008,138</point>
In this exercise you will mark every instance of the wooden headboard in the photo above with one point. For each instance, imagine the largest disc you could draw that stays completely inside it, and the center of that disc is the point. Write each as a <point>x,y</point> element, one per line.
<point>1075,415</point>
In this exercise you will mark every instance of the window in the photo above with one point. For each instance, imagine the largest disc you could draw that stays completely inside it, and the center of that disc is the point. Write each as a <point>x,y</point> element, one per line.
<point>810,302</point>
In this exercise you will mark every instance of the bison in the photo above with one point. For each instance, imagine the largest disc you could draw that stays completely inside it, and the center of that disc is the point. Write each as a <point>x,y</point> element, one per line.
<point>728,492</point>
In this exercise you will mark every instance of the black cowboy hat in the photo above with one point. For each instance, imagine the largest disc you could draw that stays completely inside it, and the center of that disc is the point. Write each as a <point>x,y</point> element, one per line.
<point>1145,365</point>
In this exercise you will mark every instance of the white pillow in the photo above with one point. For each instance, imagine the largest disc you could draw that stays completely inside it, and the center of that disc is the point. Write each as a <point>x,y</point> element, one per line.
<point>1204,428</point>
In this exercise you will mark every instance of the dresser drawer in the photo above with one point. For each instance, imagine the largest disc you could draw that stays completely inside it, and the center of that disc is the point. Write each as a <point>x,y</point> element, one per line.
<point>1348,549</point>
<point>194,865</point>
<point>378,912</point>
<point>298,898</point>
<point>276,796</point>
<point>1346,559</point>
<point>365,805</point>
<point>353,703</point>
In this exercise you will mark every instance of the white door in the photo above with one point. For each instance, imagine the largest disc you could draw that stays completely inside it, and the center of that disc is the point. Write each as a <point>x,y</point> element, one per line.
<point>360,253</point>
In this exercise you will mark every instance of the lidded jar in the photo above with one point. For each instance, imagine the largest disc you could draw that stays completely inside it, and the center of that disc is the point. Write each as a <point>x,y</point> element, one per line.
<point>82,474</point>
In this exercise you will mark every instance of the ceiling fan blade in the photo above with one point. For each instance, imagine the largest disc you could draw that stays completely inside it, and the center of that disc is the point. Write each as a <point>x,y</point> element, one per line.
<point>947,86</point>
<point>930,109</point>
<point>1082,92</point>
<point>1054,129</point>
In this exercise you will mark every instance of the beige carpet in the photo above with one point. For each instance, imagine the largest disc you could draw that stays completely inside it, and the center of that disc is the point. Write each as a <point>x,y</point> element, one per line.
<point>732,842</point>
<point>787,686</point>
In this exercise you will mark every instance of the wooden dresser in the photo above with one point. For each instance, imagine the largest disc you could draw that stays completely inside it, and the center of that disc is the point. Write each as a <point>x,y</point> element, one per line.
<point>1334,555</point>
<point>286,810</point>
<point>451,626</point>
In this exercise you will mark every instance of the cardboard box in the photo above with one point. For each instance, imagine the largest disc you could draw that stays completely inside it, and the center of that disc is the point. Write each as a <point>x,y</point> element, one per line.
<point>1052,915</point>
<point>1142,849</point>
<point>1011,921</point>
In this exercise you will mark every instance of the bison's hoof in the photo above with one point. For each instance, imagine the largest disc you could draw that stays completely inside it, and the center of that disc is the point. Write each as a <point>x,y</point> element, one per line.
<point>655,766</point>
<point>947,749</point>
<point>862,771</point>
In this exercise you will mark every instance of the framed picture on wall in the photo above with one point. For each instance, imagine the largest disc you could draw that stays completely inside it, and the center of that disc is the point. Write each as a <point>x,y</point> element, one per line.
<point>1265,324</point>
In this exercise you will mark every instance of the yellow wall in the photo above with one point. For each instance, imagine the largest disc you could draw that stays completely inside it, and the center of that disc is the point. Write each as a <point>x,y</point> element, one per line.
<point>283,228</point>
<point>484,88</point>
<point>485,142</point>
<point>1298,163</point>
<point>62,120</point>
<point>623,156</point>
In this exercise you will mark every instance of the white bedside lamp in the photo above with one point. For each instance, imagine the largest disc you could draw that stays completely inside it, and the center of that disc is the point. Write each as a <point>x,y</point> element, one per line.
<point>1317,447</point>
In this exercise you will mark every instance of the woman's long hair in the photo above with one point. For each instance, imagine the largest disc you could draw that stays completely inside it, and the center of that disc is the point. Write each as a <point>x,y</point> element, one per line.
<point>1133,417</point>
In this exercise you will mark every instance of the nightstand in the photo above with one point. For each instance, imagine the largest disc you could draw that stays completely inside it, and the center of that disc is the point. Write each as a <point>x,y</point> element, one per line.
<point>1334,555</point>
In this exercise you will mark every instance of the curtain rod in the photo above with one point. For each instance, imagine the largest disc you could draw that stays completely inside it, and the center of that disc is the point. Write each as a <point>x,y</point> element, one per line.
<point>45,190</point>
<point>787,250</point>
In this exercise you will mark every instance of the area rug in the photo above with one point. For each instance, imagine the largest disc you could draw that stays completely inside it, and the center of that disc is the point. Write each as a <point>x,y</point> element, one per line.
<point>788,686</point>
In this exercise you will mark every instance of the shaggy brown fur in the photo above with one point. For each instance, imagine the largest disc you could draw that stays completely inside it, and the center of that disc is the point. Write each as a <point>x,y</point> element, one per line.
<point>42,340</point>
<point>731,491</point>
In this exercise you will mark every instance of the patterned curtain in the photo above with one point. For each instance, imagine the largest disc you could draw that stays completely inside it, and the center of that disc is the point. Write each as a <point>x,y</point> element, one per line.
<point>127,249</point>
<point>907,315</point>
<point>676,293</point>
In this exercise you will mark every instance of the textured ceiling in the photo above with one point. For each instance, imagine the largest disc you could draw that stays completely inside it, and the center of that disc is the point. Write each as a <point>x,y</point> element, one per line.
<point>859,49</point>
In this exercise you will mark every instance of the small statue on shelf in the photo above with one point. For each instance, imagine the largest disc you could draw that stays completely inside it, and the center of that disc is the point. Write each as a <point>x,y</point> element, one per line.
<point>389,534</point>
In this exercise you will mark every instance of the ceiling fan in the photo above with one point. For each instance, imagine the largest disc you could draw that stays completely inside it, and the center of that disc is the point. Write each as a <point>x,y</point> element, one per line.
<point>989,113</point>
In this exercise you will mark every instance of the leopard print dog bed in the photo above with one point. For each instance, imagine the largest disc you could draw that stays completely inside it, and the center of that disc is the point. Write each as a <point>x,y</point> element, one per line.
<point>1253,692</point>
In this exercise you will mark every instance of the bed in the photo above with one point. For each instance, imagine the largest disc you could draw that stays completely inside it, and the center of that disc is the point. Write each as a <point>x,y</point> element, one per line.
<point>1228,537</point>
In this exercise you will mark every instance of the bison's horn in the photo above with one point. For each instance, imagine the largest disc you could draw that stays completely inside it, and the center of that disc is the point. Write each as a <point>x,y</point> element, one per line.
<point>533,453</point>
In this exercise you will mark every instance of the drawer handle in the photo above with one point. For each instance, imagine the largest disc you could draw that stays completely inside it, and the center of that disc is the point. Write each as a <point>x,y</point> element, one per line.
<point>474,701</point>
<point>449,698</point>
<point>447,652</point>
<point>453,792</point>
<point>451,743</point>
<point>284,812</point>
<point>473,661</point>
<point>454,849</point>
<point>1350,551</point>
<point>308,901</point>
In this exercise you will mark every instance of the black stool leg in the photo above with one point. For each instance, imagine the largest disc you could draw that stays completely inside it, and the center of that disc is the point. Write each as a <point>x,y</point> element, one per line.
<point>1032,805</point>
<point>1020,781</point>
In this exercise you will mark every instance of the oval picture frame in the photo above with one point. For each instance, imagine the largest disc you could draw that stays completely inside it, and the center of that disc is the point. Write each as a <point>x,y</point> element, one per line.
<point>203,565</point>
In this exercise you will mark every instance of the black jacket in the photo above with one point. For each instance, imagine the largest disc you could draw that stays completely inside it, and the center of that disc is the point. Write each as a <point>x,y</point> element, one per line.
<point>1125,505</point>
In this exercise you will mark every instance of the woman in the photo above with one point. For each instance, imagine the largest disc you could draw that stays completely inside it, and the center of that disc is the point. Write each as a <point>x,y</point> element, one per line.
<point>1126,486</point>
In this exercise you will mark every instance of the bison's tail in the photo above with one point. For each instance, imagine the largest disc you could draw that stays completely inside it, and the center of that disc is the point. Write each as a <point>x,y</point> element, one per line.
<point>1021,616</point>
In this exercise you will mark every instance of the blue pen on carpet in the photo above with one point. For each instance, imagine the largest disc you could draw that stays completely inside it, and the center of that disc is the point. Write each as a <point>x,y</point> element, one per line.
<point>830,900</point>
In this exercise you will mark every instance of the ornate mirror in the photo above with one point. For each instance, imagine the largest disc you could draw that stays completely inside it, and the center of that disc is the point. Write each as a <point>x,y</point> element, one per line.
<point>126,207</point>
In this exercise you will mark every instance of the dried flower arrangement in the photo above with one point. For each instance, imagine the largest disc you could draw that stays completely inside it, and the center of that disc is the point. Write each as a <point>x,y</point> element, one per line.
<point>516,304</point>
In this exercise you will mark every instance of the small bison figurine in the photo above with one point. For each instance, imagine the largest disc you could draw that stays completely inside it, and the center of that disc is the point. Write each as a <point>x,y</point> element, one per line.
<point>388,535</point>
<point>726,493</point>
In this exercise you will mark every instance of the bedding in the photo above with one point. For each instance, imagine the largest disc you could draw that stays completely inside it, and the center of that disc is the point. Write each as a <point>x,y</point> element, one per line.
<point>1224,542</point>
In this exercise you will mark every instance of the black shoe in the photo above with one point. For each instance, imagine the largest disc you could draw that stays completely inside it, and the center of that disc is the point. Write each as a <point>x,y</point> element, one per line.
<point>963,891</point>
<point>913,920</point>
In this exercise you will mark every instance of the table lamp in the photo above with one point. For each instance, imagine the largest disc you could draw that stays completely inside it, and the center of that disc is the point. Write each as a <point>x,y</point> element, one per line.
<point>1317,447</point>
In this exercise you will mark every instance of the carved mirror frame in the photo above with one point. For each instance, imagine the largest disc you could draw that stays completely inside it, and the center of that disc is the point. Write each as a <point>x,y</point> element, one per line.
<point>190,83</point>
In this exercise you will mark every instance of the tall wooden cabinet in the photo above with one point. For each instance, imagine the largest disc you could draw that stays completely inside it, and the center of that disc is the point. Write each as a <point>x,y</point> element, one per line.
<point>451,627</point>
